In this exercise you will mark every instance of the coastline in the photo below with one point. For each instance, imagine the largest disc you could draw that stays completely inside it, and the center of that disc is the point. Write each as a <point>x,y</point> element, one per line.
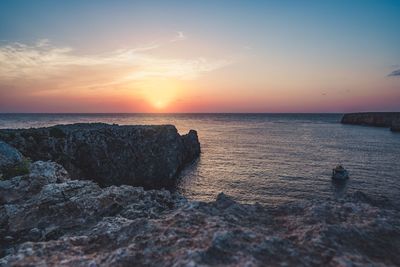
<point>47,218</point>
<point>377,119</point>
<point>139,155</point>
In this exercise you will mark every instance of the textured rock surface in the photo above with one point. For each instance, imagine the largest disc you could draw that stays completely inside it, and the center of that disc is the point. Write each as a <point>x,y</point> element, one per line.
<point>9,157</point>
<point>76,223</point>
<point>25,186</point>
<point>379,119</point>
<point>149,156</point>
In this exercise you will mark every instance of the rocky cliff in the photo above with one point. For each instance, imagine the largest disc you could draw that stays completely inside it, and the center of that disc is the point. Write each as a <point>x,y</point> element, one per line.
<point>46,219</point>
<point>395,125</point>
<point>148,156</point>
<point>379,119</point>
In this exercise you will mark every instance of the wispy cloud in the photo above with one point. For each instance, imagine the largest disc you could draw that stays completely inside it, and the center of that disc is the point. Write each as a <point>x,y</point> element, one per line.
<point>394,73</point>
<point>46,62</point>
<point>180,36</point>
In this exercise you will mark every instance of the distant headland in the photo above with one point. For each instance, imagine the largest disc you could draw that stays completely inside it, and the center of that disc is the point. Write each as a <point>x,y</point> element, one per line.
<point>378,119</point>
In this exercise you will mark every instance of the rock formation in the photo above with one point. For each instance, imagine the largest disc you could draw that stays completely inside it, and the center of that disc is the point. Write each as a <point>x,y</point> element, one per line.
<point>148,156</point>
<point>46,219</point>
<point>378,119</point>
<point>395,126</point>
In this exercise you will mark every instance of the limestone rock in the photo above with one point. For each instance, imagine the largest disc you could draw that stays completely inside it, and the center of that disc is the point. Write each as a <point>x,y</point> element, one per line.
<point>25,186</point>
<point>148,156</point>
<point>77,223</point>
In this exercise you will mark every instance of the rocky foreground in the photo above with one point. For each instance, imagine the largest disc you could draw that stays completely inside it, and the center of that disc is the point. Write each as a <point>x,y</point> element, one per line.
<point>49,219</point>
<point>46,219</point>
<point>378,119</point>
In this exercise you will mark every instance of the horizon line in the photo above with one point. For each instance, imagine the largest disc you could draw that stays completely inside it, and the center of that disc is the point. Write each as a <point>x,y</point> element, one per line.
<point>183,113</point>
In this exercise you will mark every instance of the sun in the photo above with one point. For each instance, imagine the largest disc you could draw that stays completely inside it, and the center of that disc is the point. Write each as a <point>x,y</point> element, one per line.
<point>160,104</point>
<point>160,93</point>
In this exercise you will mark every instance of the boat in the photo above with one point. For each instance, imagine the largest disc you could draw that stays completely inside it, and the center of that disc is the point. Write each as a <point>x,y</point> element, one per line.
<point>340,173</point>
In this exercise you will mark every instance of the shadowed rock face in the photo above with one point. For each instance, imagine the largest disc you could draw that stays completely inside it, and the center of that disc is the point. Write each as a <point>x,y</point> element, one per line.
<point>148,156</point>
<point>9,158</point>
<point>379,119</point>
<point>395,125</point>
<point>65,222</point>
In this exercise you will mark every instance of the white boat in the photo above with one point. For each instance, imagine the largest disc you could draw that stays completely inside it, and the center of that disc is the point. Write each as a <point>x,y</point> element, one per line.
<point>340,173</point>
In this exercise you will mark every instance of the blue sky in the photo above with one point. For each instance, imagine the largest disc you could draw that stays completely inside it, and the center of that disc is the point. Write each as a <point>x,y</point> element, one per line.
<point>313,48</point>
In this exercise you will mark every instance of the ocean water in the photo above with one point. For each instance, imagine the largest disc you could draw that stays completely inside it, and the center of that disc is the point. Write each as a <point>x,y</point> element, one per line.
<point>267,158</point>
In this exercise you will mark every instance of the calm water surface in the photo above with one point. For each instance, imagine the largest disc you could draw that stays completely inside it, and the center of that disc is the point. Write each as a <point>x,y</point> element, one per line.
<point>267,158</point>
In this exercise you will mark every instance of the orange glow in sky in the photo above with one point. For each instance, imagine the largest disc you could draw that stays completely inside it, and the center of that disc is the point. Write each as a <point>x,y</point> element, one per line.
<point>199,56</point>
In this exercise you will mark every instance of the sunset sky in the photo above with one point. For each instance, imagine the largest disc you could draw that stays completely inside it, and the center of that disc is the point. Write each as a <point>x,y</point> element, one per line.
<point>199,56</point>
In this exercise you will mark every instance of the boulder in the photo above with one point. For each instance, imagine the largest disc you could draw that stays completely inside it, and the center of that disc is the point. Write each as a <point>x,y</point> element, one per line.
<point>148,156</point>
<point>11,160</point>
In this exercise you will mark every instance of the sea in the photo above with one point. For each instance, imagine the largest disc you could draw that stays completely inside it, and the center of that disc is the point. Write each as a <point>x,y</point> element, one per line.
<point>267,158</point>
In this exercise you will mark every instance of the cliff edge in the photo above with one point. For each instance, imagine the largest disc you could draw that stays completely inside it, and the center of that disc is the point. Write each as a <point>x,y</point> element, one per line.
<point>148,156</point>
<point>379,119</point>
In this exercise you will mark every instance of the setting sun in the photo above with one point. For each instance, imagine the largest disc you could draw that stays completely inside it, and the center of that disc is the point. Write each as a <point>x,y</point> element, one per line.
<point>159,104</point>
<point>160,93</point>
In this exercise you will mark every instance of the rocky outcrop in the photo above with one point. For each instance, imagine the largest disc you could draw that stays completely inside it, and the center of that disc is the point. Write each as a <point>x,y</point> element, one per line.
<point>378,119</point>
<point>395,126</point>
<point>48,219</point>
<point>65,222</point>
<point>148,156</point>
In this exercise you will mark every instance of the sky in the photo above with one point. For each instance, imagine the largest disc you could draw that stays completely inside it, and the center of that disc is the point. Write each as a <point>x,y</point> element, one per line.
<point>199,56</point>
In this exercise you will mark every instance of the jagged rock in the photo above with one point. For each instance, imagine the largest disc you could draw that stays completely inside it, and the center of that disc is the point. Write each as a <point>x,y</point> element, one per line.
<point>148,156</point>
<point>77,223</point>
<point>39,207</point>
<point>25,186</point>
<point>51,171</point>
<point>191,146</point>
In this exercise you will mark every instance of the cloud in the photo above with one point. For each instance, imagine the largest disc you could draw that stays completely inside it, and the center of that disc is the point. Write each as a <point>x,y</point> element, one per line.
<point>61,66</point>
<point>394,73</point>
<point>180,36</point>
